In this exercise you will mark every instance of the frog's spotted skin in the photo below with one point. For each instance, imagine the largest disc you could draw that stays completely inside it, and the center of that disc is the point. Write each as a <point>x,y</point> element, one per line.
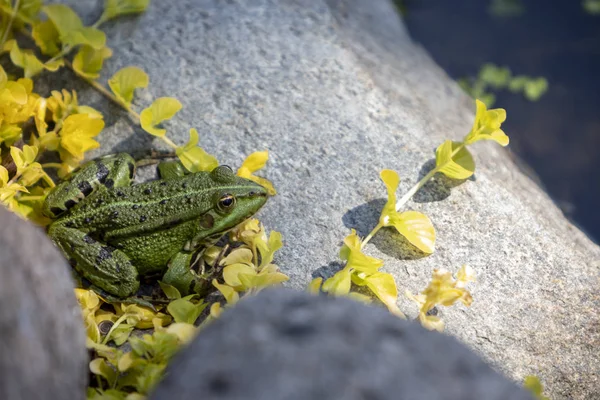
<point>108,171</point>
<point>117,232</point>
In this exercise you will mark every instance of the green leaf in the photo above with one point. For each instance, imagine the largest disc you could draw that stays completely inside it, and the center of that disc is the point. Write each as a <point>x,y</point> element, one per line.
<point>458,166</point>
<point>162,109</point>
<point>535,88</point>
<point>518,83</point>
<point>195,158</point>
<point>121,333</point>
<point>27,60</point>
<point>88,61</point>
<point>170,291</point>
<point>114,8</point>
<point>99,366</point>
<point>125,81</point>
<point>71,30</point>
<point>416,228</point>
<point>183,310</point>
<point>497,77</point>
<point>46,37</point>
<point>591,6</point>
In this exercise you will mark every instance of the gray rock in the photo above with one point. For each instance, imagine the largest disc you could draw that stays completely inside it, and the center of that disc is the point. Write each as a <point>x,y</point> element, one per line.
<point>337,91</point>
<point>42,340</point>
<point>294,346</point>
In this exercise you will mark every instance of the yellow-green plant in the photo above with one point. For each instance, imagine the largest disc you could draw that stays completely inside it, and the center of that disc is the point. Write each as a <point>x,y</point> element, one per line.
<point>64,127</point>
<point>452,159</point>
<point>533,384</point>
<point>493,78</point>
<point>119,374</point>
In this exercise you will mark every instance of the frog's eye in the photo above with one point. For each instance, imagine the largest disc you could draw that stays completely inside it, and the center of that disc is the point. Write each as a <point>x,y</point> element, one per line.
<point>226,202</point>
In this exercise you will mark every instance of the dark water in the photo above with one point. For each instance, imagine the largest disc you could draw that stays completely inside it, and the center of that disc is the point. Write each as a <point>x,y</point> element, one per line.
<point>557,136</point>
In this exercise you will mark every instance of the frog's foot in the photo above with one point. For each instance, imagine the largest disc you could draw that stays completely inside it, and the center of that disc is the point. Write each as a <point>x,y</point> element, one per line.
<point>181,277</point>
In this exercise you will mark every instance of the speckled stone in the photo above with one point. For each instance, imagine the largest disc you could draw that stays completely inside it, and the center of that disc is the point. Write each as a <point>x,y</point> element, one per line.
<point>336,90</point>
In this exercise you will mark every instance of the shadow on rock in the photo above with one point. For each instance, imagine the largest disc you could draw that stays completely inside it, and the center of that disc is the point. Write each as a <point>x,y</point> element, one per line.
<point>327,271</point>
<point>438,188</point>
<point>365,217</point>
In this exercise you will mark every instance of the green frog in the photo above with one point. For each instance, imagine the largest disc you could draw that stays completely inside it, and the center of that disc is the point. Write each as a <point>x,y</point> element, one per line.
<point>113,232</point>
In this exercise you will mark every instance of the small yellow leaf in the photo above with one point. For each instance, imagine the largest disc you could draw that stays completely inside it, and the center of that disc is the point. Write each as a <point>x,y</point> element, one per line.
<point>465,275</point>
<point>16,92</point>
<point>215,310</point>
<point>162,109</point>
<point>253,163</point>
<point>267,250</point>
<point>88,61</point>
<point>240,255</point>
<point>184,332</point>
<point>356,259</point>
<point>64,18</point>
<point>77,132</point>
<point>416,228</point>
<point>363,298</point>
<point>125,362</point>
<point>338,284</point>
<point>170,291</point>
<point>71,30</point>
<point>27,60</point>
<point>231,274</point>
<point>194,158</point>
<point>46,37</point>
<point>114,8</point>
<point>384,287</point>
<point>228,292</point>
<point>3,176</point>
<point>125,81</point>
<point>454,160</point>
<point>315,285</point>
<point>487,125</point>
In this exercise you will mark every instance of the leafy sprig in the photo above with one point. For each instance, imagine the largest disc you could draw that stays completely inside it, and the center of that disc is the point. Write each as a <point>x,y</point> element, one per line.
<point>245,270</point>
<point>493,78</point>
<point>454,160</point>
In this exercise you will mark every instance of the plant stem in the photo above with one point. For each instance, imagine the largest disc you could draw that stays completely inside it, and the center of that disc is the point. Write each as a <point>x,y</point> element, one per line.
<point>15,10</point>
<point>65,51</point>
<point>104,91</point>
<point>52,165</point>
<point>115,325</point>
<point>370,235</point>
<point>424,180</point>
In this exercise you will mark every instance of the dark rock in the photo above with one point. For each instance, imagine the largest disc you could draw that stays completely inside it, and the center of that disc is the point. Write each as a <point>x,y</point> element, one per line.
<point>42,340</point>
<point>290,345</point>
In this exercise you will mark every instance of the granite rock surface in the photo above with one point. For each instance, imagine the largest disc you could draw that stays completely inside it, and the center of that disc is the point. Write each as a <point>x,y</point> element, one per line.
<point>42,339</point>
<point>336,91</point>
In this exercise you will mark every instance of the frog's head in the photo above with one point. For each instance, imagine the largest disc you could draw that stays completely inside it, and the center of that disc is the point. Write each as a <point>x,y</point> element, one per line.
<point>234,200</point>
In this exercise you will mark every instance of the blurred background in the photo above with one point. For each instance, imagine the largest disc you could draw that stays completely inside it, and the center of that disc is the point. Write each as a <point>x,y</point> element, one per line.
<point>540,60</point>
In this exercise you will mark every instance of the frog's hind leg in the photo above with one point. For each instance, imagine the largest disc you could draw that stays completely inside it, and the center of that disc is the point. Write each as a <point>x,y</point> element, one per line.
<point>111,171</point>
<point>104,266</point>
